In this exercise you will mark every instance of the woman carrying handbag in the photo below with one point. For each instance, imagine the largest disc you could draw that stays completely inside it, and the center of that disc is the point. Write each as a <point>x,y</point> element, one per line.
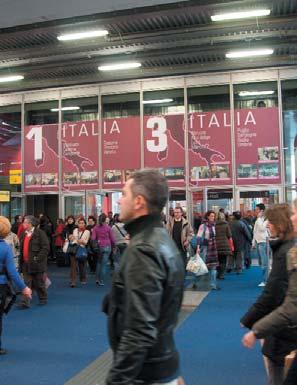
<point>78,252</point>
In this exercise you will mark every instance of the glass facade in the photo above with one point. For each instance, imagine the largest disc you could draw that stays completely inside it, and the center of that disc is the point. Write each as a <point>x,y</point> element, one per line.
<point>215,143</point>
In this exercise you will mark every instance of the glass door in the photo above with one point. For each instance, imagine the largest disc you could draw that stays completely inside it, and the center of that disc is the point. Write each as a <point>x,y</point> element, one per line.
<point>248,198</point>
<point>75,205</point>
<point>220,199</point>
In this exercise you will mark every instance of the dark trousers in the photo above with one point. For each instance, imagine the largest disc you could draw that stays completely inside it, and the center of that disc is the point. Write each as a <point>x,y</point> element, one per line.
<point>222,265</point>
<point>235,259</point>
<point>92,262</point>
<point>81,267</point>
<point>36,282</point>
<point>291,378</point>
<point>3,292</point>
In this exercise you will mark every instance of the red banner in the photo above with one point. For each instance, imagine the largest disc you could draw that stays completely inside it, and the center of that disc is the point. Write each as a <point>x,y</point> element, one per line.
<point>80,155</point>
<point>257,146</point>
<point>41,158</point>
<point>120,149</point>
<point>210,151</point>
<point>164,146</point>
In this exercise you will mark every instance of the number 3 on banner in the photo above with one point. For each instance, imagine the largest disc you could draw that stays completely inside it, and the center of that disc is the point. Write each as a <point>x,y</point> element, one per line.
<point>36,133</point>
<point>158,125</point>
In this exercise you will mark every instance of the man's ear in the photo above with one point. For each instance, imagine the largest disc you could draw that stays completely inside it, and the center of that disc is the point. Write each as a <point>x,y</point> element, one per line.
<point>139,203</point>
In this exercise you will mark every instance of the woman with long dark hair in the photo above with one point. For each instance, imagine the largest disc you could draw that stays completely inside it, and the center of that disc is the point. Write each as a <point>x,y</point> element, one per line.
<point>278,341</point>
<point>103,234</point>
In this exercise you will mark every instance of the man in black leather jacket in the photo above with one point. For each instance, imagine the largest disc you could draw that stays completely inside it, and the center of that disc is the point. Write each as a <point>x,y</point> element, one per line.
<point>147,290</point>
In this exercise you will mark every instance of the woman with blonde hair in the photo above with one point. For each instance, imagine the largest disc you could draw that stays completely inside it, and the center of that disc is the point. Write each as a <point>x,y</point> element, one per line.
<point>278,340</point>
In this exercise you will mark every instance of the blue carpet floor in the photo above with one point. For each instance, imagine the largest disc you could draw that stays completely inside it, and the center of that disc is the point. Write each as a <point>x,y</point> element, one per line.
<point>209,341</point>
<point>49,345</point>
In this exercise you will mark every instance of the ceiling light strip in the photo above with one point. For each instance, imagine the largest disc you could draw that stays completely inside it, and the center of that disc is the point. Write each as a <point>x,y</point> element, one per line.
<point>240,15</point>
<point>119,66</point>
<point>82,35</point>
<point>249,53</point>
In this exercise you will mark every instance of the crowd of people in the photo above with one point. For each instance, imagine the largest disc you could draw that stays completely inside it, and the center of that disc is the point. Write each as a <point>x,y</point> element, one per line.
<point>157,250</point>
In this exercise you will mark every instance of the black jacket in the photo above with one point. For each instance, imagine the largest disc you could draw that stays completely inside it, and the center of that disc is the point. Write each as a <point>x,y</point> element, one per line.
<point>278,345</point>
<point>38,252</point>
<point>143,306</point>
<point>240,234</point>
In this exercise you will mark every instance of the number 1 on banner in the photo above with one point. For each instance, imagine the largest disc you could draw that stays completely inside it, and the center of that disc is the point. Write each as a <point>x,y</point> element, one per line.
<point>158,126</point>
<point>36,133</point>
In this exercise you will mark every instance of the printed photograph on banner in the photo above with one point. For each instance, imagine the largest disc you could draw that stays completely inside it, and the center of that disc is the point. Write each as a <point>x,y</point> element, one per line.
<point>268,154</point>
<point>71,178</point>
<point>112,176</point>
<point>175,173</point>
<point>49,179</point>
<point>33,180</point>
<point>201,172</point>
<point>247,171</point>
<point>268,170</point>
<point>127,174</point>
<point>219,171</point>
<point>90,177</point>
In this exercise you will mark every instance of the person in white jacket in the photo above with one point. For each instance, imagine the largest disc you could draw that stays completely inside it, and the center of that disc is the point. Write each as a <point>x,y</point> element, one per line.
<point>260,241</point>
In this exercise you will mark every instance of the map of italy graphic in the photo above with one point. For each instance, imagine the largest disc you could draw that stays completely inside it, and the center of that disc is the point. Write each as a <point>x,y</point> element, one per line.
<point>206,153</point>
<point>50,144</point>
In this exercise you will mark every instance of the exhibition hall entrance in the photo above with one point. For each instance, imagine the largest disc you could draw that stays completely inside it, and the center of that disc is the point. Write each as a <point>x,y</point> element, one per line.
<point>249,197</point>
<point>47,204</point>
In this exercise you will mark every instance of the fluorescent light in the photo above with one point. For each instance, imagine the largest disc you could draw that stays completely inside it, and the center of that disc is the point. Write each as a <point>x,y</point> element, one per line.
<point>82,35</point>
<point>12,78</point>
<point>240,15</point>
<point>119,66</point>
<point>255,93</point>
<point>157,101</point>
<point>65,109</point>
<point>249,53</point>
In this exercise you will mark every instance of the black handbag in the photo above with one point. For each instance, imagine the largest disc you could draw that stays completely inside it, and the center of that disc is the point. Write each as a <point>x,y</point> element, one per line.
<point>72,249</point>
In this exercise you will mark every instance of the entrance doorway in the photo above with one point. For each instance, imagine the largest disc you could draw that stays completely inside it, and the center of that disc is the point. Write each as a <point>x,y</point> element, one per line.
<point>43,204</point>
<point>249,198</point>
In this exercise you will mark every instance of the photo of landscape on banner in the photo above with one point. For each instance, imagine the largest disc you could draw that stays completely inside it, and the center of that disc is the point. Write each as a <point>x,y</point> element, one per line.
<point>120,149</point>
<point>257,145</point>
<point>80,155</point>
<point>41,159</point>
<point>164,146</point>
<point>210,151</point>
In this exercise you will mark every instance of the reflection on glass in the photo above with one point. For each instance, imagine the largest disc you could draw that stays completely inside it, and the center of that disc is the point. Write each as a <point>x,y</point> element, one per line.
<point>75,110</point>
<point>289,99</point>
<point>122,105</point>
<point>75,205</point>
<point>169,102</point>
<point>255,95</point>
<point>212,98</point>
<point>41,113</point>
<point>10,147</point>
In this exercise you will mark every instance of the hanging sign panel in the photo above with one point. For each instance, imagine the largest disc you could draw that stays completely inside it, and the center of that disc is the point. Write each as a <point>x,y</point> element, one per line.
<point>120,149</point>
<point>210,151</point>
<point>164,146</point>
<point>257,140</point>
<point>41,158</point>
<point>80,155</point>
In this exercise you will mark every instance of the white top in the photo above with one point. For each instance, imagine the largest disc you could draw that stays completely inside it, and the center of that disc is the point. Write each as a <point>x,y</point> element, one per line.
<point>260,230</point>
<point>81,235</point>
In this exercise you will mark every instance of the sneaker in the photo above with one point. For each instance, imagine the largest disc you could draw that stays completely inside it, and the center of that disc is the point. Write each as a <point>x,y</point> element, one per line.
<point>22,306</point>
<point>101,283</point>
<point>3,351</point>
<point>262,284</point>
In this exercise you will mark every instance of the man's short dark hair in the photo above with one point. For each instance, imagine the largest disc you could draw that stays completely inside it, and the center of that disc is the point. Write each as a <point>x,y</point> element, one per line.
<point>152,185</point>
<point>261,206</point>
<point>237,215</point>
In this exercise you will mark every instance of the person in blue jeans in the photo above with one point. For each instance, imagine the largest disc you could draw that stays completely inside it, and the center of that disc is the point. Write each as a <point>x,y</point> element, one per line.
<point>103,234</point>
<point>260,241</point>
